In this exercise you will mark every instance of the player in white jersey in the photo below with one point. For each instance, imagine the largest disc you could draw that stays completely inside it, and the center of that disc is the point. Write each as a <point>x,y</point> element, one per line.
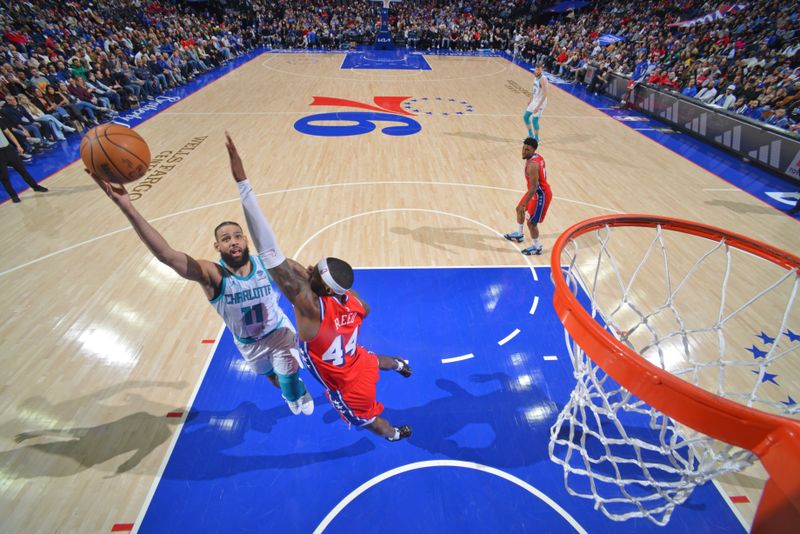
<point>538,103</point>
<point>241,291</point>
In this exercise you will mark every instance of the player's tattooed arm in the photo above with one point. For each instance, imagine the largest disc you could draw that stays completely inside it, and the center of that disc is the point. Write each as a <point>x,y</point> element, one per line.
<point>292,280</point>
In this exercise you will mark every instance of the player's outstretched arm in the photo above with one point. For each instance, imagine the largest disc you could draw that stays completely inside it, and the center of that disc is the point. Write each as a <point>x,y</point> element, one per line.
<point>202,271</point>
<point>292,282</point>
<point>257,225</point>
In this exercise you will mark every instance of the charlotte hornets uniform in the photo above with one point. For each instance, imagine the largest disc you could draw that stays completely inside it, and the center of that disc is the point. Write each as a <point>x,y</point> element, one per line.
<point>249,306</point>
<point>537,93</point>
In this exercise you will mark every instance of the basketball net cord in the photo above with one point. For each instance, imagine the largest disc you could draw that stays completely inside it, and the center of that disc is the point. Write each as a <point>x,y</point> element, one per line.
<point>631,459</point>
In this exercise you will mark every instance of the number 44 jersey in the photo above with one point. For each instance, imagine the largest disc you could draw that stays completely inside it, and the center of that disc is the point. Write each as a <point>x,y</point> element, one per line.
<point>334,356</point>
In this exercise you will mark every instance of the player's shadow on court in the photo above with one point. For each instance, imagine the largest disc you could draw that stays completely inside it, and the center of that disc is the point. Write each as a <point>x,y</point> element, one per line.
<point>66,451</point>
<point>507,427</point>
<point>205,447</point>
<point>741,207</point>
<point>449,239</point>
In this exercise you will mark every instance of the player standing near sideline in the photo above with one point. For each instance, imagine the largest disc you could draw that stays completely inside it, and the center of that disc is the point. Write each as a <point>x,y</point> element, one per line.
<point>534,204</point>
<point>538,103</point>
<point>329,315</point>
<point>239,288</point>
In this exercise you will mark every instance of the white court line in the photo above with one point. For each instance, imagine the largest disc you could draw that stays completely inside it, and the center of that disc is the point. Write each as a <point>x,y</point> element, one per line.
<point>447,463</point>
<point>292,190</point>
<point>550,358</point>
<point>458,358</point>
<point>534,305</point>
<point>509,337</point>
<point>724,189</point>
<point>168,455</point>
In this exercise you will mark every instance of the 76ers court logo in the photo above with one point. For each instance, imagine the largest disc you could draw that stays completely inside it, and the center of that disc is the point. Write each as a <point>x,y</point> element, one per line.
<point>386,109</point>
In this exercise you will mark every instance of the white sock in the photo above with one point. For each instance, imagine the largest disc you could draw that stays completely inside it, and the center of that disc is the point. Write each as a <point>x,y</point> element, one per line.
<point>535,242</point>
<point>519,230</point>
<point>399,364</point>
<point>396,434</point>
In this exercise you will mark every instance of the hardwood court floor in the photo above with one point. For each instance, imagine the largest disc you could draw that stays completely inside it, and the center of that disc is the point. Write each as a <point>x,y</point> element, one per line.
<point>98,333</point>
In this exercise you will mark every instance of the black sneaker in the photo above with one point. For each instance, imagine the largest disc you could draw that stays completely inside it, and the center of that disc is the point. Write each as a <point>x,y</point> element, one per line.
<point>405,432</point>
<point>40,188</point>
<point>15,200</point>
<point>405,370</point>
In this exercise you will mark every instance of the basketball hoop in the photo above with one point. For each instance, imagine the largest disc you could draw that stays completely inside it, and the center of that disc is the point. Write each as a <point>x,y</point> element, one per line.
<point>664,399</point>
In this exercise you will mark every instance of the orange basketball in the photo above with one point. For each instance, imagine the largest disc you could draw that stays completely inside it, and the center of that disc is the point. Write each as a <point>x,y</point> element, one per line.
<point>115,153</point>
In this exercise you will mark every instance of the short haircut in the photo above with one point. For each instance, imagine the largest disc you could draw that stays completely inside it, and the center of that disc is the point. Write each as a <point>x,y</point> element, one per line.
<point>341,272</point>
<point>226,223</point>
<point>530,141</point>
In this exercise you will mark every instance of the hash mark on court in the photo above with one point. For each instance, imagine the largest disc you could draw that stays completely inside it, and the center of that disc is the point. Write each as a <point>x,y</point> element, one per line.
<point>458,358</point>
<point>509,337</point>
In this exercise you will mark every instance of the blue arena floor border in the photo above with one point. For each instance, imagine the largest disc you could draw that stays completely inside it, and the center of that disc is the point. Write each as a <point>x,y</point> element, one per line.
<point>243,463</point>
<point>399,59</point>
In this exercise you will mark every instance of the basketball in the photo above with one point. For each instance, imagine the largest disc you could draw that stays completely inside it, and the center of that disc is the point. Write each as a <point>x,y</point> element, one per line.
<point>115,153</point>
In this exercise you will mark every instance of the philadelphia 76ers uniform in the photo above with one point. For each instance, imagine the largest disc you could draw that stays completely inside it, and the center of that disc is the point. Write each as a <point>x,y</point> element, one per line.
<point>249,306</point>
<point>348,371</point>
<point>536,209</point>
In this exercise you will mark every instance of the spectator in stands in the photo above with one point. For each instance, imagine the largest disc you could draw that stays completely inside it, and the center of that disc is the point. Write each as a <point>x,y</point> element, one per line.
<point>756,111</point>
<point>779,119</point>
<point>103,92</point>
<point>691,89</point>
<point>708,93</point>
<point>21,121</point>
<point>740,107</point>
<point>726,100</point>
<point>601,79</point>
<point>57,127</point>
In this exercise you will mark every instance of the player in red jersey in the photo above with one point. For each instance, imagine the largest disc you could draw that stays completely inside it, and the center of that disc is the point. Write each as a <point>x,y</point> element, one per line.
<point>329,315</point>
<point>534,204</point>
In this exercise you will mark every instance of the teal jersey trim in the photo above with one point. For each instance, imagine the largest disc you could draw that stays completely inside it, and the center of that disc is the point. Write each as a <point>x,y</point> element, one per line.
<point>221,289</point>
<point>248,277</point>
<point>249,340</point>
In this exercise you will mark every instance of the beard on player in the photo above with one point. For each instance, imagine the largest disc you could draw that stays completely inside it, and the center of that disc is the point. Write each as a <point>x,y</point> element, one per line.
<point>236,258</point>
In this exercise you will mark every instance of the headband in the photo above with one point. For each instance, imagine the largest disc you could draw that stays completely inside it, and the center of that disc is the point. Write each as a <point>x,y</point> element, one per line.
<point>325,273</point>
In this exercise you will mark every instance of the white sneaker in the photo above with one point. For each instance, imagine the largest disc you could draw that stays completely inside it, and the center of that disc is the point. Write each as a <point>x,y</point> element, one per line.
<point>294,406</point>
<point>307,404</point>
<point>304,405</point>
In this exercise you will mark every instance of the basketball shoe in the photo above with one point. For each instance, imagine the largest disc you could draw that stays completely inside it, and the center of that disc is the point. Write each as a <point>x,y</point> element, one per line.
<point>405,370</point>
<point>304,405</point>
<point>514,236</point>
<point>405,432</point>
<point>532,250</point>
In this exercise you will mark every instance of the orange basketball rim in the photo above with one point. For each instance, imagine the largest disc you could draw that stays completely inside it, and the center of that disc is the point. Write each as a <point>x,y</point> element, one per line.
<point>774,439</point>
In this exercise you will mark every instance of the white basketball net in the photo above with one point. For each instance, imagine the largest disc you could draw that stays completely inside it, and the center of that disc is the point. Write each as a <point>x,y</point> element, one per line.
<point>631,459</point>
